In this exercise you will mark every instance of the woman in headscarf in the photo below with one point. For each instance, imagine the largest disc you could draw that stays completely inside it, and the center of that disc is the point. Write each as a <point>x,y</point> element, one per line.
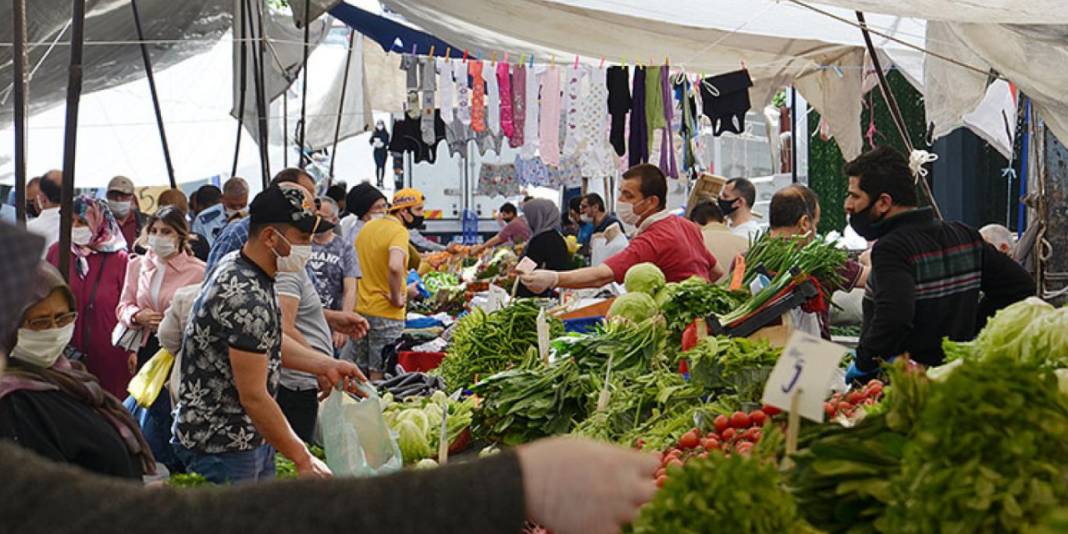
<point>97,274</point>
<point>151,282</point>
<point>52,405</point>
<point>546,247</point>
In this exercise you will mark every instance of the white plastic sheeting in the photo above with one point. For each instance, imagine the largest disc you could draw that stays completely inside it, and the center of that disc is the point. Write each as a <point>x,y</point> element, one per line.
<point>324,95</point>
<point>979,11</point>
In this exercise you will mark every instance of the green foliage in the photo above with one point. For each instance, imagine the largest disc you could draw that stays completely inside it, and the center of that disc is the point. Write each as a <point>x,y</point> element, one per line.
<point>726,365</point>
<point>682,302</point>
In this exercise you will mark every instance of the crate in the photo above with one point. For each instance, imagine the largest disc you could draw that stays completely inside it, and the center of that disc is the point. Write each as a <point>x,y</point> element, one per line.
<point>706,187</point>
<point>419,362</point>
<point>583,324</point>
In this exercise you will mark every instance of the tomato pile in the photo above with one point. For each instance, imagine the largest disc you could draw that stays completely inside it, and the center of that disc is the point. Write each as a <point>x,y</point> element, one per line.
<point>847,404</point>
<point>738,433</point>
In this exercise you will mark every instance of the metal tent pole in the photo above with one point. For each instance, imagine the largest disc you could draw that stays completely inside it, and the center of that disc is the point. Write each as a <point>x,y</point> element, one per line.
<point>304,89</point>
<point>242,84</point>
<point>155,94</point>
<point>20,109</point>
<point>341,102</point>
<point>70,133</point>
<point>261,114</point>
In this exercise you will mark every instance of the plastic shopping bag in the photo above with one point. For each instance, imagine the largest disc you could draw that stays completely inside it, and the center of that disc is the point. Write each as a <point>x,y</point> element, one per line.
<point>355,436</point>
<point>148,382</point>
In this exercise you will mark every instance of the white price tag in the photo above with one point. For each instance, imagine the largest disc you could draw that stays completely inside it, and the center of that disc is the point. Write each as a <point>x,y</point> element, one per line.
<point>805,369</point>
<point>543,336</point>
<point>526,265</point>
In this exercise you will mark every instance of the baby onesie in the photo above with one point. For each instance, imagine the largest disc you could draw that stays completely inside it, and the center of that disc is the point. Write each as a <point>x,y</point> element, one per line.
<point>726,109</point>
<point>572,102</point>
<point>478,96</point>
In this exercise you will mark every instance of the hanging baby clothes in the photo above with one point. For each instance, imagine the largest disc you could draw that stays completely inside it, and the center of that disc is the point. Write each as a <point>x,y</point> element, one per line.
<point>549,125</point>
<point>618,105</point>
<point>519,106</point>
<point>572,103</point>
<point>447,88</point>
<point>531,171</point>
<point>428,82</point>
<point>478,96</point>
<point>688,122</point>
<point>638,142</point>
<point>530,121</point>
<point>497,180</point>
<point>409,64</point>
<point>504,85</point>
<point>654,103</point>
<point>593,116</point>
<point>408,137</point>
<point>457,134</point>
<point>463,92</point>
<point>493,100</point>
<point>667,145</point>
<point>725,100</point>
<point>565,175</point>
<point>487,140</point>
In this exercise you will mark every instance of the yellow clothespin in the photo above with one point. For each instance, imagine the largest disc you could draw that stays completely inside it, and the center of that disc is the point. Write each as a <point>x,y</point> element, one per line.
<point>494,56</point>
<point>431,54</point>
<point>448,55</point>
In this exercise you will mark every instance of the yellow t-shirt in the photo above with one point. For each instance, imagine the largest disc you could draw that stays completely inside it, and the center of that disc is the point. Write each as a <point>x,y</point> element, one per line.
<point>373,244</point>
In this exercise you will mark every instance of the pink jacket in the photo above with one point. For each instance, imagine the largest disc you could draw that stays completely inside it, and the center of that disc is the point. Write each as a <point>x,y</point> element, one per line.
<point>182,270</point>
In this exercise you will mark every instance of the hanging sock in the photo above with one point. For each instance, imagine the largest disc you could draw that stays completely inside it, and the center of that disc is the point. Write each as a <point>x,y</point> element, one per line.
<point>448,90</point>
<point>638,142</point>
<point>493,100</point>
<point>409,64</point>
<point>572,103</point>
<point>478,96</point>
<point>428,74</point>
<point>549,124</point>
<point>530,122</point>
<point>654,103</point>
<point>618,106</point>
<point>519,106</point>
<point>599,159</point>
<point>463,92</point>
<point>504,85</point>
<point>667,144</point>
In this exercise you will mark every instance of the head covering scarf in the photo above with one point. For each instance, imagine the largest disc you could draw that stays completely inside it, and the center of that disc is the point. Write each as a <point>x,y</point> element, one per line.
<point>541,215</point>
<point>72,379</point>
<point>107,236</point>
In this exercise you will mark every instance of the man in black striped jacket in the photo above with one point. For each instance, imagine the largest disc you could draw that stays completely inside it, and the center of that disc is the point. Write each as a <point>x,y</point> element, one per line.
<point>930,279</point>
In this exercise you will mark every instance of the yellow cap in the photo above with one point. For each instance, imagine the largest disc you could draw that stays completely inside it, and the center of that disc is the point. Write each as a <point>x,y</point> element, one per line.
<point>406,198</point>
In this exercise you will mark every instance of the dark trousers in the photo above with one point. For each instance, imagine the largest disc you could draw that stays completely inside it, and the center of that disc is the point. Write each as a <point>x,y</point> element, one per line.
<point>301,409</point>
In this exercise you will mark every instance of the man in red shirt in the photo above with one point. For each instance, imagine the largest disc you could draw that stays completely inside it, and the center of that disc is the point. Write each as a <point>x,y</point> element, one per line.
<point>671,242</point>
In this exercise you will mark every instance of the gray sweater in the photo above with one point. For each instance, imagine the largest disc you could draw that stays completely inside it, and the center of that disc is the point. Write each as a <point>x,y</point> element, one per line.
<point>40,496</point>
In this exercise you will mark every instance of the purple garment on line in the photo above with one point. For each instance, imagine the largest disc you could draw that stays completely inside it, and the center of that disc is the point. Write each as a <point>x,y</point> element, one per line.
<point>667,145</point>
<point>638,145</point>
<point>519,105</point>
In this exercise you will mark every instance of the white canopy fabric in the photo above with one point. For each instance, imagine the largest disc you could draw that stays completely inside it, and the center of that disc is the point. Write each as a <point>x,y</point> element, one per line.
<point>977,11</point>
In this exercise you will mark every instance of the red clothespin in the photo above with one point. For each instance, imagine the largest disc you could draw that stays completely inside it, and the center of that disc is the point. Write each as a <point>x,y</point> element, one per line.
<point>465,55</point>
<point>602,63</point>
<point>505,57</point>
<point>576,61</point>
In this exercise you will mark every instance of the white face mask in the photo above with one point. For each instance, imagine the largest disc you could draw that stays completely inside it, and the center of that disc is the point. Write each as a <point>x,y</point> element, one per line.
<point>164,247</point>
<point>119,208</point>
<point>81,235</point>
<point>378,215</point>
<point>42,347</point>
<point>586,218</point>
<point>296,260</point>
<point>625,212</point>
<point>231,213</point>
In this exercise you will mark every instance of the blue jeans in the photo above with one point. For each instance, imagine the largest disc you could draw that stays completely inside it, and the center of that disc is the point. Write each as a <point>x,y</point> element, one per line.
<point>230,467</point>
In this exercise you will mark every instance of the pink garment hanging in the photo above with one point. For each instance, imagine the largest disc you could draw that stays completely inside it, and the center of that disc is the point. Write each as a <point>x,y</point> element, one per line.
<point>478,96</point>
<point>549,122</point>
<point>519,105</point>
<point>504,84</point>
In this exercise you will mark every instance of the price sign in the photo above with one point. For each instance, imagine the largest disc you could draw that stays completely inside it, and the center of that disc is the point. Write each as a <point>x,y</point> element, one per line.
<point>543,336</point>
<point>803,374</point>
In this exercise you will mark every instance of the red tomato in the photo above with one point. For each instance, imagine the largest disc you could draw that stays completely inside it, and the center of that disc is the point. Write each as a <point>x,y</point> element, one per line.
<point>740,420</point>
<point>729,434</point>
<point>854,397</point>
<point>770,410</point>
<point>758,417</point>
<point>711,444</point>
<point>674,462</point>
<point>639,444</point>
<point>660,472</point>
<point>753,434</point>
<point>844,406</point>
<point>689,440</point>
<point>828,408</point>
<point>875,390</point>
<point>660,481</point>
<point>721,423</point>
<point>744,448</point>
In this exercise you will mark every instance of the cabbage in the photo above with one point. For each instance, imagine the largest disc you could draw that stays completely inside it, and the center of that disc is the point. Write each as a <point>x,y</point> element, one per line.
<point>664,295</point>
<point>1045,341</point>
<point>636,307</point>
<point>426,463</point>
<point>417,417</point>
<point>1004,334</point>
<point>644,278</point>
<point>413,443</point>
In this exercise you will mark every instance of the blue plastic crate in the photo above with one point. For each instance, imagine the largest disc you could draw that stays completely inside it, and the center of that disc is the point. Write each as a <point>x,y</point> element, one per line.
<point>583,325</point>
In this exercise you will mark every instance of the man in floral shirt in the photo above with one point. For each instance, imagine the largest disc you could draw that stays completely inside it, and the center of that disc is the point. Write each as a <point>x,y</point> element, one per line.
<point>229,424</point>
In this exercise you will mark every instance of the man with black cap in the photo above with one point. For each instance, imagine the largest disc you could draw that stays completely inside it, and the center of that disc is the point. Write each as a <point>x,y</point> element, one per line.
<point>366,203</point>
<point>228,423</point>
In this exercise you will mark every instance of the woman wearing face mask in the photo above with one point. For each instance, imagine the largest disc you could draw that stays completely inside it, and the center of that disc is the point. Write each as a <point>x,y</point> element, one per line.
<point>52,405</point>
<point>380,141</point>
<point>151,281</point>
<point>97,273</point>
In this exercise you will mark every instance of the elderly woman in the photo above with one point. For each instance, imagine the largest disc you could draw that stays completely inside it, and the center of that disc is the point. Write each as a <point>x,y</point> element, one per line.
<point>151,282</point>
<point>51,405</point>
<point>97,274</point>
<point>547,247</point>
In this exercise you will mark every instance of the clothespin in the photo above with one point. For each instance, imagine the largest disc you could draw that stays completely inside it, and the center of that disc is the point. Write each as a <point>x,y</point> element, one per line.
<point>465,55</point>
<point>431,54</point>
<point>602,63</point>
<point>523,59</point>
<point>744,66</point>
<point>532,60</point>
<point>667,61</point>
<point>448,54</point>
<point>576,61</point>
<point>495,56</point>
<point>505,57</point>
<point>414,45</point>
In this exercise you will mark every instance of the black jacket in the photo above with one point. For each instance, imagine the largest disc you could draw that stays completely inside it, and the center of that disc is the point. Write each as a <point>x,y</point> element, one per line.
<point>932,279</point>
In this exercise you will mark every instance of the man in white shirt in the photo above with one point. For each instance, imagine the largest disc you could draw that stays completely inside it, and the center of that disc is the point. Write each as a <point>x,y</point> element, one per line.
<point>47,223</point>
<point>736,202</point>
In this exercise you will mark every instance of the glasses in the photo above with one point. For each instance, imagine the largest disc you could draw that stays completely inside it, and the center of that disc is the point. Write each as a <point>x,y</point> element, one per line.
<point>55,321</point>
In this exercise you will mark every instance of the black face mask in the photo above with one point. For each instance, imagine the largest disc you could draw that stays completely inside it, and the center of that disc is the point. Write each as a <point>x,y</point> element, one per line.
<point>31,209</point>
<point>727,207</point>
<point>864,225</point>
<point>417,221</point>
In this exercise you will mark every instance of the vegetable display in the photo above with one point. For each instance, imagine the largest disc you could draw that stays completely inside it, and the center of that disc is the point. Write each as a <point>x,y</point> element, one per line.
<point>635,398</point>
<point>635,307</point>
<point>627,345</point>
<point>819,257</point>
<point>408,385</point>
<point>418,423</point>
<point>693,298</point>
<point>732,365</point>
<point>483,344</point>
<point>1030,331</point>
<point>644,278</point>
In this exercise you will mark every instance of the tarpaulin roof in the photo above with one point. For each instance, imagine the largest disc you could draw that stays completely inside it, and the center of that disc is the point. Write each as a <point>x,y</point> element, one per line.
<point>391,35</point>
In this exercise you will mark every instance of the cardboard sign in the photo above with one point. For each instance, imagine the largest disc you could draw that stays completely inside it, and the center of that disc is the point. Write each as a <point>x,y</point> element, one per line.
<point>526,266</point>
<point>543,336</point>
<point>805,370</point>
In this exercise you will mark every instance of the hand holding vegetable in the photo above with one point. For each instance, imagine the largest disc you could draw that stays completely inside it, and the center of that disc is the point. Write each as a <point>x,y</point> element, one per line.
<point>579,486</point>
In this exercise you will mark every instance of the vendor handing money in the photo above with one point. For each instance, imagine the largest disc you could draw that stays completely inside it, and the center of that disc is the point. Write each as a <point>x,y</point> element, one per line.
<point>671,242</point>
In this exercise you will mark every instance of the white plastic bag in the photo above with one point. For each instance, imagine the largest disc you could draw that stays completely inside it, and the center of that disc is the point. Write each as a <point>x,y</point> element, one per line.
<point>355,436</point>
<point>607,244</point>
